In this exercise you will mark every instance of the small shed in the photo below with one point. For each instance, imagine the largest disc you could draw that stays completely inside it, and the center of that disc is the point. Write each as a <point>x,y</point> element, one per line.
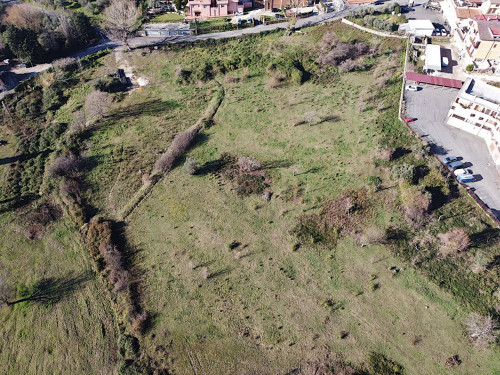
<point>432,57</point>
<point>420,28</point>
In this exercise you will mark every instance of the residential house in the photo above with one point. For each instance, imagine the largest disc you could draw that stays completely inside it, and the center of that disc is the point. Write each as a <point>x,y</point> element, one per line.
<point>455,11</point>
<point>215,8</point>
<point>477,110</point>
<point>479,41</point>
<point>281,4</point>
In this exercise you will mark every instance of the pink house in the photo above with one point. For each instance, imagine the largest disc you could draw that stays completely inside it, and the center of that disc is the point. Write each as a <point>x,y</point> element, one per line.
<point>215,8</point>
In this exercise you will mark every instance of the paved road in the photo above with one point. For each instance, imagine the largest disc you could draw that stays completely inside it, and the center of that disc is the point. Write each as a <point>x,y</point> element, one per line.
<point>305,22</point>
<point>430,106</point>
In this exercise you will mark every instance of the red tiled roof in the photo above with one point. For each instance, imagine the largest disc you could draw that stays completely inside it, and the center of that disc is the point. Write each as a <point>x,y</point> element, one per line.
<point>495,30</point>
<point>440,81</point>
<point>468,12</point>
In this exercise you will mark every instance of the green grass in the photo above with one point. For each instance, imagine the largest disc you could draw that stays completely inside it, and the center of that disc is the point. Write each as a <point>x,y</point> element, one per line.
<point>229,288</point>
<point>59,334</point>
<point>167,18</point>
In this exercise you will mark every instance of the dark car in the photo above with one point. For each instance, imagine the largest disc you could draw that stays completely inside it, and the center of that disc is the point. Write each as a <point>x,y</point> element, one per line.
<point>449,159</point>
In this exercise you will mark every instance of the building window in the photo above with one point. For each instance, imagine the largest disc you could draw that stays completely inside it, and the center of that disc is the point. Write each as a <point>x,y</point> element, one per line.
<point>472,115</point>
<point>481,118</point>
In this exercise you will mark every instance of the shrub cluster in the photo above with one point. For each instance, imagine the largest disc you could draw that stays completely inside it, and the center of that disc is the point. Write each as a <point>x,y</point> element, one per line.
<point>347,55</point>
<point>342,214</point>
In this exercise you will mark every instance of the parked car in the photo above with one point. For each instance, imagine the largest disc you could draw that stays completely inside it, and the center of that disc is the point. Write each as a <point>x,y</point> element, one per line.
<point>444,32</point>
<point>455,165</point>
<point>449,159</point>
<point>21,66</point>
<point>466,178</point>
<point>445,61</point>
<point>412,87</point>
<point>460,171</point>
<point>410,119</point>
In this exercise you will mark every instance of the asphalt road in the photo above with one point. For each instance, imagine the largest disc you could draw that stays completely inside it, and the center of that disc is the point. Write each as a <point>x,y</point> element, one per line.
<point>305,22</point>
<point>430,106</point>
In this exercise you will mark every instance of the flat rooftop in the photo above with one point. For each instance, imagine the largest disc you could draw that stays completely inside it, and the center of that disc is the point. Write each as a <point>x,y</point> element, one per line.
<point>484,91</point>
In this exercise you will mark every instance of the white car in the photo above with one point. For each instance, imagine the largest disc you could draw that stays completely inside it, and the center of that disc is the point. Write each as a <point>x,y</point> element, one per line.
<point>445,61</point>
<point>460,171</point>
<point>412,88</point>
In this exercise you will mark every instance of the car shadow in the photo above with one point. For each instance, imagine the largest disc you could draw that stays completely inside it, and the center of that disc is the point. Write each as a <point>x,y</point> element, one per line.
<point>477,177</point>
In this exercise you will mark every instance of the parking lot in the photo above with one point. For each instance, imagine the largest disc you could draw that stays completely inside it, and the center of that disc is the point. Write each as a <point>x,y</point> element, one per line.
<point>430,106</point>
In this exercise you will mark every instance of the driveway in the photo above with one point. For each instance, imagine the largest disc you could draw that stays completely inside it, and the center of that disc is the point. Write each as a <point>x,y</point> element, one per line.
<point>430,106</point>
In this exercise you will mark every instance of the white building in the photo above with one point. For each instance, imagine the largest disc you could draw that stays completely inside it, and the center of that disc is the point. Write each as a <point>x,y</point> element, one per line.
<point>420,28</point>
<point>477,111</point>
<point>432,57</point>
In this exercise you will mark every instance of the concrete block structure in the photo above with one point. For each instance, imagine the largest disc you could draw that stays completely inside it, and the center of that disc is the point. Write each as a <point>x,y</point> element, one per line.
<point>477,110</point>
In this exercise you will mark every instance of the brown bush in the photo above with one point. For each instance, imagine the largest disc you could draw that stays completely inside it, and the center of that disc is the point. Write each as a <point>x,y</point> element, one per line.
<point>68,166</point>
<point>117,274</point>
<point>416,204</point>
<point>229,79</point>
<point>482,330</point>
<point>43,213</point>
<point>99,236</point>
<point>179,146</point>
<point>454,241</point>
<point>140,322</point>
<point>273,82</point>
<point>96,105</point>
<point>34,232</point>
<point>248,164</point>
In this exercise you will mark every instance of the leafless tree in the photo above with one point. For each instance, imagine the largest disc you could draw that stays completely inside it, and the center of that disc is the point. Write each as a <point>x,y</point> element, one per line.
<point>482,329</point>
<point>309,117</point>
<point>248,164</point>
<point>295,169</point>
<point>96,104</point>
<point>121,17</point>
<point>5,291</point>
<point>78,123</point>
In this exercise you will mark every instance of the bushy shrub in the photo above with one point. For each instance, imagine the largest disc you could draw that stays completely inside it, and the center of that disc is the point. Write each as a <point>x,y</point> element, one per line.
<point>248,164</point>
<point>404,172</point>
<point>469,67</point>
<point>191,166</point>
<point>68,166</point>
<point>128,346</point>
<point>381,365</point>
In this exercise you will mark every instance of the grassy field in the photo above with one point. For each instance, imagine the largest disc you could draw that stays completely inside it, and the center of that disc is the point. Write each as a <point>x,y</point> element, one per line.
<point>232,282</point>
<point>167,18</point>
<point>66,325</point>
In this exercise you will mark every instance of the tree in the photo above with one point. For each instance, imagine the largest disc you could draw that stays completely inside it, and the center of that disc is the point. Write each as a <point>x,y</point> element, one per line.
<point>96,104</point>
<point>83,28</point>
<point>482,329</point>
<point>5,291</point>
<point>23,43</point>
<point>191,166</point>
<point>121,17</point>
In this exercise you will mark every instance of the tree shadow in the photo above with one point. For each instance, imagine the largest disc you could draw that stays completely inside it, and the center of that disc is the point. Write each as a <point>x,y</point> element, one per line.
<point>152,108</point>
<point>437,150</point>
<point>213,166</point>
<point>494,263</point>
<point>52,290</point>
<point>487,237</point>
<point>23,157</point>
<point>276,164</point>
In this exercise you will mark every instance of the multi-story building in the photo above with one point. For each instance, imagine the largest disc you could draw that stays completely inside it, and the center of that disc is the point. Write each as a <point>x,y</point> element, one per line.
<point>455,11</point>
<point>477,110</point>
<point>489,7</point>
<point>215,8</point>
<point>479,41</point>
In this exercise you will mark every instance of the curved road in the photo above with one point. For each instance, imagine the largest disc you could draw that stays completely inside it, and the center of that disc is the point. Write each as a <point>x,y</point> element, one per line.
<point>138,42</point>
